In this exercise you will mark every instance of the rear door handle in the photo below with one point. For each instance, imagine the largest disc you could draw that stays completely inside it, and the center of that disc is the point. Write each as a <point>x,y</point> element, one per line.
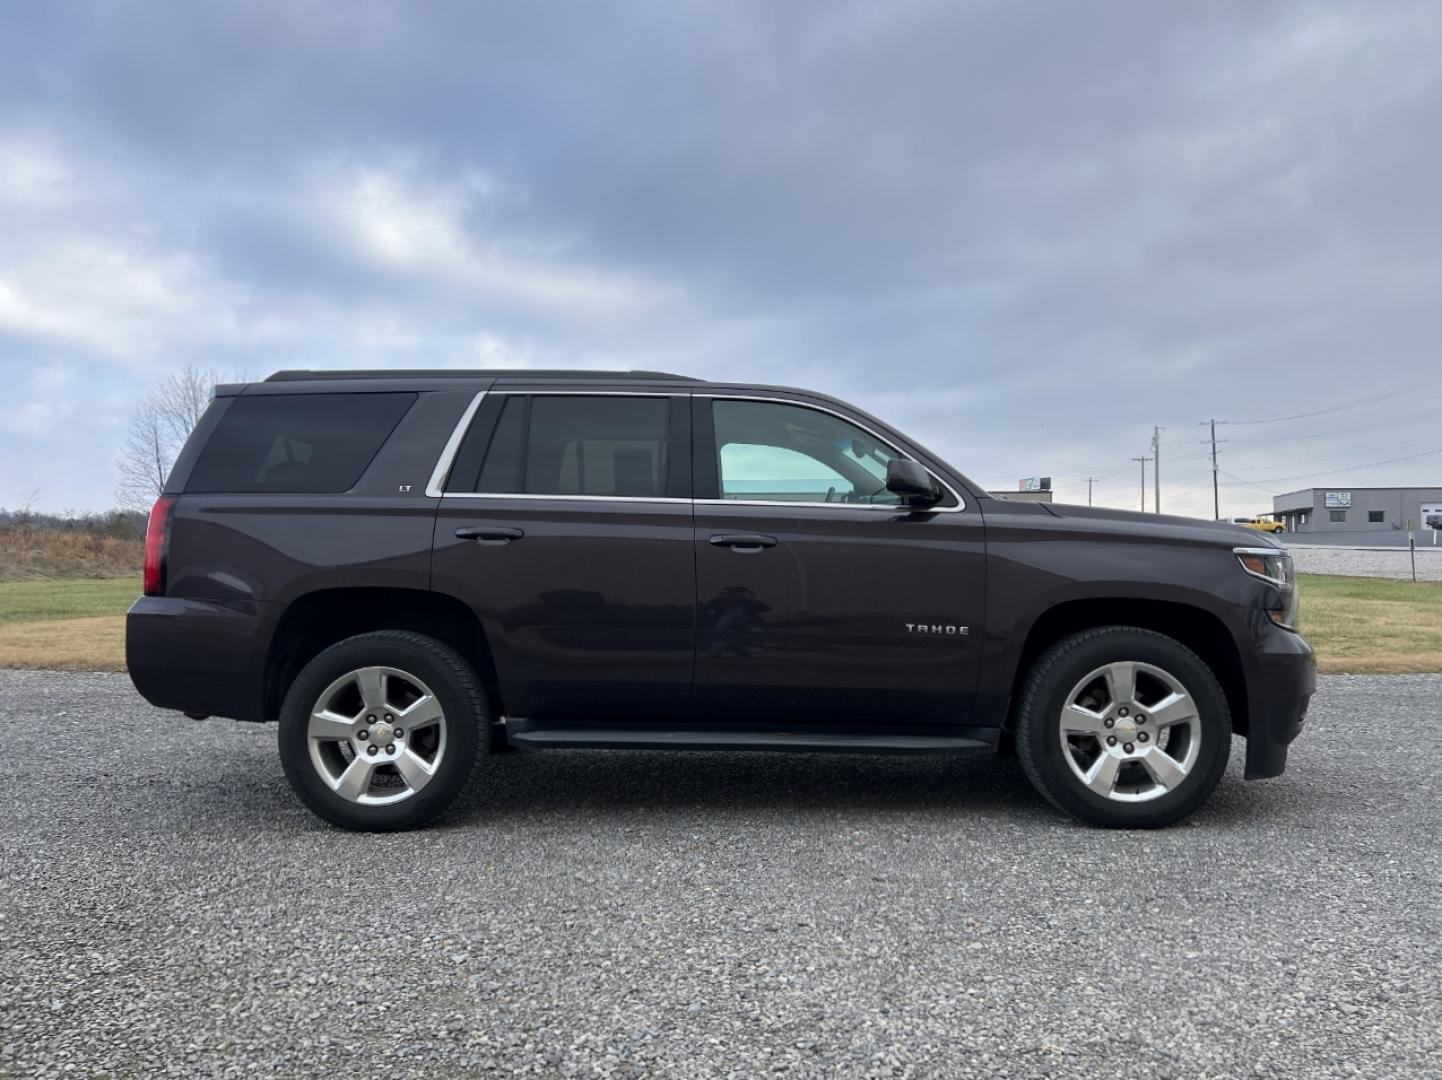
<point>490,534</point>
<point>746,543</point>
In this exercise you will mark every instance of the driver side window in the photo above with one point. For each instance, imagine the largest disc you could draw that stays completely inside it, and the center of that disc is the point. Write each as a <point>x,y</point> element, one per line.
<point>774,452</point>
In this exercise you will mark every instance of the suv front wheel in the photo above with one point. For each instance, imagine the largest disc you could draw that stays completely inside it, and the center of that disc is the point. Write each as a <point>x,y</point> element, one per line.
<point>382,731</point>
<point>1123,727</point>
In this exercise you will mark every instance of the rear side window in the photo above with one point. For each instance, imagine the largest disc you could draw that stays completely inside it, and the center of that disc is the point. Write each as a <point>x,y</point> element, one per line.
<point>599,445</point>
<point>296,443</point>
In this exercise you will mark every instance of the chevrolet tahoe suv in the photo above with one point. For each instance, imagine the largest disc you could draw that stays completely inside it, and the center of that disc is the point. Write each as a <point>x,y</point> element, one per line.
<point>412,571</point>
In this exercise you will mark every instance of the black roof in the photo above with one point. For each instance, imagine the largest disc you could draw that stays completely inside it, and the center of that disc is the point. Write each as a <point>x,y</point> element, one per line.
<point>472,373</point>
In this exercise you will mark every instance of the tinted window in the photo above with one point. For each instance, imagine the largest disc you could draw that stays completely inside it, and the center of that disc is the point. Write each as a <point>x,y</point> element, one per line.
<point>296,442</point>
<point>582,445</point>
<point>787,453</point>
<point>501,469</point>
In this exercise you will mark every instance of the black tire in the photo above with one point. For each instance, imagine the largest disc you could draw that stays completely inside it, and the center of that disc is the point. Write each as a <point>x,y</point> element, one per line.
<point>1038,727</point>
<point>467,723</point>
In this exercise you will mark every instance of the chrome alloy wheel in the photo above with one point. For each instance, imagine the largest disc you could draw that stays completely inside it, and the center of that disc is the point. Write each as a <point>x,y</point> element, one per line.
<point>1130,731</point>
<point>377,735</point>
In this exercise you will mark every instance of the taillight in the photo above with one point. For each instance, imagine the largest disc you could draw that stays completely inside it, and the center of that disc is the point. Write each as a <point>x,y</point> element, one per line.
<point>157,541</point>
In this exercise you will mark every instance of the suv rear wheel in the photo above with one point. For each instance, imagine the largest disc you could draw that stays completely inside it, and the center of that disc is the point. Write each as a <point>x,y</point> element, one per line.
<point>1123,727</point>
<point>382,731</point>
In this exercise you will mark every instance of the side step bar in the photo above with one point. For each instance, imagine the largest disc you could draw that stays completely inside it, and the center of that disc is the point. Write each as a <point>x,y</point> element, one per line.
<point>547,738</point>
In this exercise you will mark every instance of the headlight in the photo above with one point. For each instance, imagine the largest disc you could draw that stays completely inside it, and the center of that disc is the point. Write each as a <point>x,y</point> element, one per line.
<point>1274,566</point>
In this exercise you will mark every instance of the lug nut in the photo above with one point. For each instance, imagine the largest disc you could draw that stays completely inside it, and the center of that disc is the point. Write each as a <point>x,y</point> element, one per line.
<point>1128,747</point>
<point>370,719</point>
<point>372,749</point>
<point>1141,719</point>
<point>1111,740</point>
<point>391,749</point>
<point>1108,721</point>
<point>389,718</point>
<point>398,733</point>
<point>1122,711</point>
<point>362,734</point>
<point>1141,736</point>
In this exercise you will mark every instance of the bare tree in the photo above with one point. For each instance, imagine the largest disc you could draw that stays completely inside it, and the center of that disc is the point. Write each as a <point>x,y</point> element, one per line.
<point>160,427</point>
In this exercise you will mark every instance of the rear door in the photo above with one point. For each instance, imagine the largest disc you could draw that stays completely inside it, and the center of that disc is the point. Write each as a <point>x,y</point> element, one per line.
<point>565,524</point>
<point>822,601</point>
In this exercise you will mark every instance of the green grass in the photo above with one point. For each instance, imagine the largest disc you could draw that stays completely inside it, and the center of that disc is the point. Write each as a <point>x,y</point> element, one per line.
<point>30,601</point>
<point>1372,625</point>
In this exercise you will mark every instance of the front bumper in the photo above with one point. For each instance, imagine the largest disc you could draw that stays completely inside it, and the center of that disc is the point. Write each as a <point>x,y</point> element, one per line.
<point>198,656</point>
<point>1280,685</point>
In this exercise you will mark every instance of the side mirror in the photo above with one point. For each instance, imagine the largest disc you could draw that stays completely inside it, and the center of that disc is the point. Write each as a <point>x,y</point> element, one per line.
<point>909,480</point>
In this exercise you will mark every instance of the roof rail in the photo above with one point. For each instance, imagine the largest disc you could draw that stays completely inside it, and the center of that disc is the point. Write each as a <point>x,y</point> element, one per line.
<point>471,373</point>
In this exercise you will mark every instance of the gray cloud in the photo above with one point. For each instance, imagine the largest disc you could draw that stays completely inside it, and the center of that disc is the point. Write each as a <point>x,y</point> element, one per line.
<point>1025,232</point>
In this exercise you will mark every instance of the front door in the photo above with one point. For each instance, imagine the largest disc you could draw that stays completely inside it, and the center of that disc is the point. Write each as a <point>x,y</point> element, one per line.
<point>822,600</point>
<point>566,527</point>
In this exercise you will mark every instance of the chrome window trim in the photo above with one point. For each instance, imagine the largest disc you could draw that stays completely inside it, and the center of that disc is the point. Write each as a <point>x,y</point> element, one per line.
<point>435,489</point>
<point>566,498</point>
<point>448,453</point>
<point>892,507</point>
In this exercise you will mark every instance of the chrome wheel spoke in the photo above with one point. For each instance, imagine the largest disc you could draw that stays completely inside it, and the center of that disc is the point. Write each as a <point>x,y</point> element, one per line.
<point>1121,680</point>
<point>1164,768</point>
<point>1174,709</point>
<point>371,682</point>
<point>325,724</point>
<point>355,781</point>
<point>421,713</point>
<point>414,770</point>
<point>1102,776</point>
<point>1080,721</point>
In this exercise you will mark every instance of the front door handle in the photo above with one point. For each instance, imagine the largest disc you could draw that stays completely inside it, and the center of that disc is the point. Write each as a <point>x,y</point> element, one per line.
<point>492,535</point>
<point>746,543</point>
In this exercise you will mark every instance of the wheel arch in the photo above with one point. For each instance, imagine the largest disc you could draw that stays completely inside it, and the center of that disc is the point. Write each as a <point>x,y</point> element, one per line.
<point>316,620</point>
<point>1194,627</point>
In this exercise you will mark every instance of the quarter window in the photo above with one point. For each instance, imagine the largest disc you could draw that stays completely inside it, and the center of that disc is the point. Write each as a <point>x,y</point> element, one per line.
<point>296,443</point>
<point>774,452</point>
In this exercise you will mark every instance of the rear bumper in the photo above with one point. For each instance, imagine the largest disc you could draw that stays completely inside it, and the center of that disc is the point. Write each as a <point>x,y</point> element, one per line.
<point>1281,685</point>
<point>198,656</point>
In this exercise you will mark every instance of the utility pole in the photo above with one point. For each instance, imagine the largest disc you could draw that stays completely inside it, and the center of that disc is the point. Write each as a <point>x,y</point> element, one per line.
<point>1143,461</point>
<point>1156,470</point>
<point>1216,500</point>
<point>1089,498</point>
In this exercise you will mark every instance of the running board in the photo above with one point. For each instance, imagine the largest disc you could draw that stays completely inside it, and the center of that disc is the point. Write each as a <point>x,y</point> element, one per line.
<point>806,742</point>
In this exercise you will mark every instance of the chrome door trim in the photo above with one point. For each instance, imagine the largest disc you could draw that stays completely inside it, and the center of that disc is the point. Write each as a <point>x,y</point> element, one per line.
<point>453,444</point>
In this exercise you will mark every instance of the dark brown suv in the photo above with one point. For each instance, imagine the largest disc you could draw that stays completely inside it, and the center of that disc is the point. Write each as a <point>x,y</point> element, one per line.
<point>413,570</point>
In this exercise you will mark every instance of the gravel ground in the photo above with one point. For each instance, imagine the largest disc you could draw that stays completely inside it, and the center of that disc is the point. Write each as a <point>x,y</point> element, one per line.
<point>169,909</point>
<point>1362,562</point>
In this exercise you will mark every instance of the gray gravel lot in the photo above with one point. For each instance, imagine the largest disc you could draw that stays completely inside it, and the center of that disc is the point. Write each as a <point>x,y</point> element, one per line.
<point>1364,562</point>
<point>168,908</point>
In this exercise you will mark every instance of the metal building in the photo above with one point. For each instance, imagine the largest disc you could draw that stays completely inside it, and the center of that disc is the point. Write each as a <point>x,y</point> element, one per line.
<point>1359,509</point>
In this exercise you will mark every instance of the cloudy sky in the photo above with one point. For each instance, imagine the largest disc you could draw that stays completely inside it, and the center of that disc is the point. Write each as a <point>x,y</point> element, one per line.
<point>1026,233</point>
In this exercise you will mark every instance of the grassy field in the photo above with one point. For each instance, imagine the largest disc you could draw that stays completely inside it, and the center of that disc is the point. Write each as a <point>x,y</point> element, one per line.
<point>1367,626</point>
<point>31,554</point>
<point>72,625</point>
<point>1358,625</point>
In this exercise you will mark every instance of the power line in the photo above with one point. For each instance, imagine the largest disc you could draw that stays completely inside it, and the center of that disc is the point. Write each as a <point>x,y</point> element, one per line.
<point>1348,468</point>
<point>1392,422</point>
<point>1408,386</point>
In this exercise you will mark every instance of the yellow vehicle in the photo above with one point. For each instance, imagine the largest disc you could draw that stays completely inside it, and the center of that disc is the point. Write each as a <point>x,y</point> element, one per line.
<point>1261,525</point>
